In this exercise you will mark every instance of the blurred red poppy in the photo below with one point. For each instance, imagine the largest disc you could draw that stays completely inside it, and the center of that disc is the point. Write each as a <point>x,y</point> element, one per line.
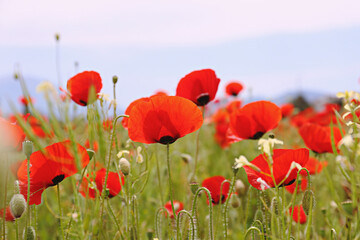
<point>318,138</point>
<point>233,106</point>
<point>213,184</point>
<point>25,101</point>
<point>163,119</point>
<point>160,93</point>
<point>8,215</point>
<point>178,206</point>
<point>302,117</point>
<point>113,183</point>
<point>80,85</point>
<point>299,215</point>
<point>48,168</point>
<point>281,168</point>
<point>314,166</point>
<point>95,145</point>
<point>108,124</point>
<point>254,119</point>
<point>198,86</point>
<point>11,135</point>
<point>286,110</point>
<point>86,188</point>
<point>233,88</point>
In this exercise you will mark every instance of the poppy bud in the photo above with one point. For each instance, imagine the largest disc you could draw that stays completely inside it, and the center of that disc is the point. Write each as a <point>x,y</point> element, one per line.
<point>90,153</point>
<point>235,202</point>
<point>27,148</point>
<point>186,158</point>
<point>29,233</point>
<point>348,207</point>
<point>124,166</point>
<point>115,79</point>
<point>194,186</point>
<point>17,205</point>
<point>240,187</point>
<point>16,76</point>
<point>57,36</point>
<point>306,201</point>
<point>275,205</point>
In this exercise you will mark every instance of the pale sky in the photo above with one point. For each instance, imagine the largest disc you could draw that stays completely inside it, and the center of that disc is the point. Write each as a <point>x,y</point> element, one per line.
<point>271,46</point>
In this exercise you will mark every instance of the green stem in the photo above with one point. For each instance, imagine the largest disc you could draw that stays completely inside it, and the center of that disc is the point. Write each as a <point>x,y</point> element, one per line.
<point>170,185</point>
<point>250,230</point>
<point>16,229</point>
<point>114,218</point>
<point>28,194</point>
<point>197,149</point>
<point>158,222</point>
<point>5,196</point>
<point>158,176</point>
<point>178,224</point>
<point>309,224</point>
<point>225,207</point>
<point>60,215</point>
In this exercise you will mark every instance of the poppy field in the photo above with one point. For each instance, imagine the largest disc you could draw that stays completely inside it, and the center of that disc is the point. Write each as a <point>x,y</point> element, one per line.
<point>181,165</point>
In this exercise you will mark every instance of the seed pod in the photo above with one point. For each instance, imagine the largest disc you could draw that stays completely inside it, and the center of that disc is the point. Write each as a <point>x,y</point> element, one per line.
<point>124,166</point>
<point>194,186</point>
<point>240,187</point>
<point>29,233</point>
<point>306,201</point>
<point>27,148</point>
<point>115,79</point>
<point>17,205</point>
<point>348,207</point>
<point>234,200</point>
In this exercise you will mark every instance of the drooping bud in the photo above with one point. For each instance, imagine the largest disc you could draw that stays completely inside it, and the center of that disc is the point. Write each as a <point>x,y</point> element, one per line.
<point>17,205</point>
<point>348,207</point>
<point>308,200</point>
<point>27,148</point>
<point>29,233</point>
<point>90,153</point>
<point>194,186</point>
<point>124,166</point>
<point>234,200</point>
<point>240,188</point>
<point>115,79</point>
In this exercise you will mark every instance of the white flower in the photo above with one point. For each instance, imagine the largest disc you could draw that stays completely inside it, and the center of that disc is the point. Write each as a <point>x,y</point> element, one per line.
<point>45,86</point>
<point>122,153</point>
<point>347,140</point>
<point>240,162</point>
<point>104,96</point>
<point>266,145</point>
<point>263,184</point>
<point>139,157</point>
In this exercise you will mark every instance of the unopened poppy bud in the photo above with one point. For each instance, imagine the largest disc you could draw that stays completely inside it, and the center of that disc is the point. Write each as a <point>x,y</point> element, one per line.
<point>17,205</point>
<point>29,233</point>
<point>194,186</point>
<point>186,158</point>
<point>57,36</point>
<point>348,207</point>
<point>90,153</point>
<point>124,166</point>
<point>308,200</point>
<point>275,206</point>
<point>16,76</point>
<point>234,200</point>
<point>240,188</point>
<point>115,79</point>
<point>27,148</point>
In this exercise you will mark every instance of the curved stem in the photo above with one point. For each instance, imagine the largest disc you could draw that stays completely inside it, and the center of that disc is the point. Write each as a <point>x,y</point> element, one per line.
<point>157,222</point>
<point>178,224</point>
<point>225,207</point>
<point>210,209</point>
<point>252,229</point>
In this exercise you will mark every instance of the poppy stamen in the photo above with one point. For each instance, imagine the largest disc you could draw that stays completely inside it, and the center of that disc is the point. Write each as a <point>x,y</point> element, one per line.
<point>57,179</point>
<point>257,135</point>
<point>167,140</point>
<point>203,99</point>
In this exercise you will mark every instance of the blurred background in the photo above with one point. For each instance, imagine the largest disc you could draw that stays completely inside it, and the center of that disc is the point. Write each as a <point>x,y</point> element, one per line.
<point>277,49</point>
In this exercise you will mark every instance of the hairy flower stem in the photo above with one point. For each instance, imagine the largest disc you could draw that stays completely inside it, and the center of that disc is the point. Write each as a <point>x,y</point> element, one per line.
<point>197,149</point>
<point>28,194</point>
<point>111,213</point>
<point>170,185</point>
<point>158,175</point>
<point>60,215</point>
<point>16,229</point>
<point>225,207</point>
<point>193,211</point>
<point>5,196</point>
<point>309,224</point>
<point>178,224</point>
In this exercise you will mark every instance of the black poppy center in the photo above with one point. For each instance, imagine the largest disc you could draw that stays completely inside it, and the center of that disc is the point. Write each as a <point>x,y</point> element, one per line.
<point>220,200</point>
<point>291,182</point>
<point>234,94</point>
<point>57,179</point>
<point>167,140</point>
<point>257,135</point>
<point>83,102</point>
<point>203,99</point>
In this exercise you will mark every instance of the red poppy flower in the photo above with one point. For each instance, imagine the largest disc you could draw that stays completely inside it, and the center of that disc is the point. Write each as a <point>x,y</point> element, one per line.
<point>314,166</point>
<point>302,186</point>
<point>213,184</point>
<point>233,88</point>
<point>160,93</point>
<point>86,190</point>
<point>299,215</point>
<point>8,215</point>
<point>302,117</point>
<point>108,124</point>
<point>318,138</point>
<point>125,120</point>
<point>233,106</point>
<point>25,101</point>
<point>287,109</point>
<point>254,119</point>
<point>163,119</point>
<point>49,168</point>
<point>80,85</point>
<point>281,168</point>
<point>113,182</point>
<point>178,206</point>
<point>199,86</point>
<point>11,135</point>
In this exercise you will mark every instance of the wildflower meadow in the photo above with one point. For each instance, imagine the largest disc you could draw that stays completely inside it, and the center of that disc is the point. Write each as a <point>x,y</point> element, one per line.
<point>178,165</point>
